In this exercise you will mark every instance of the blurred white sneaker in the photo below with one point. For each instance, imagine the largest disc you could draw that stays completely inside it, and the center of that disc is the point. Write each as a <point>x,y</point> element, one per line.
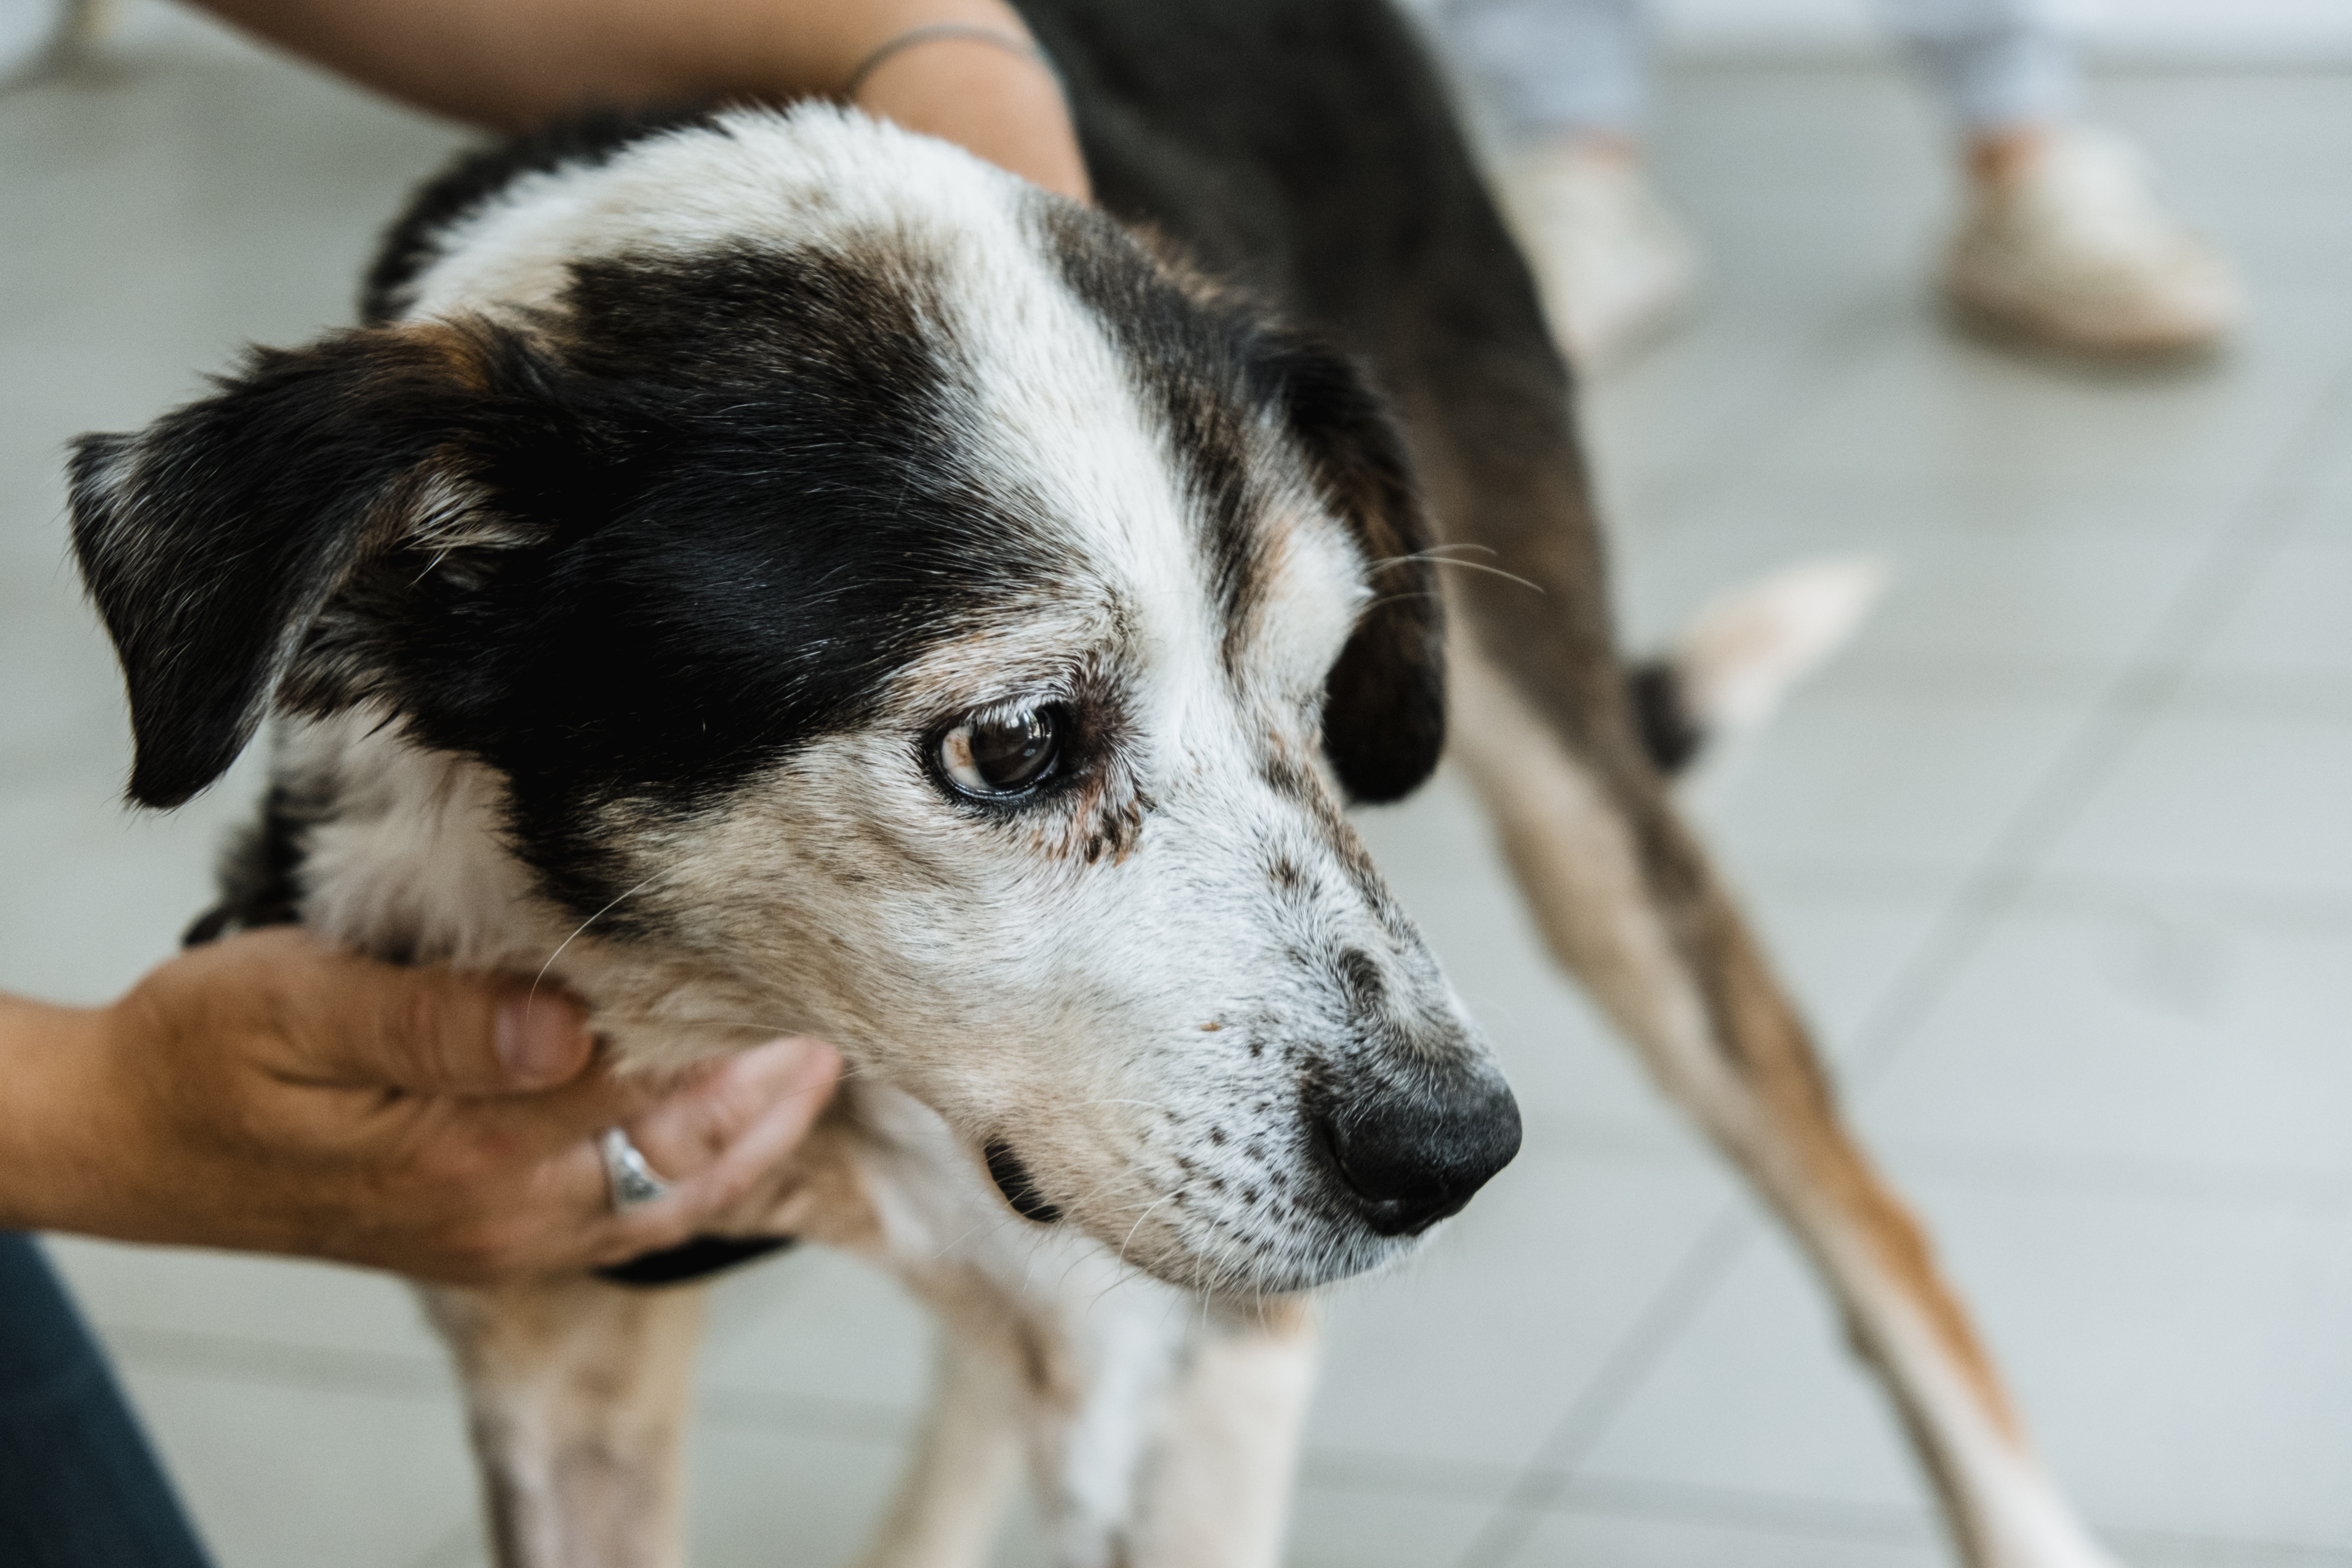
<point>2071,250</point>
<point>1615,270</point>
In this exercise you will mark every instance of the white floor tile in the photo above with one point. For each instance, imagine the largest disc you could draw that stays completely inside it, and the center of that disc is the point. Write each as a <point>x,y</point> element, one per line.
<point>98,893</point>
<point>2296,615</point>
<point>1885,782</point>
<point>2184,1364</point>
<point>1920,406</point>
<point>2149,1039</point>
<point>2210,798</point>
<point>762,1498</point>
<point>2182,1367</point>
<point>1959,594</point>
<point>1840,955</point>
<point>264,1301</point>
<point>283,1477</point>
<point>1338,1528</point>
<point>1582,1539</point>
<point>823,1334</point>
<point>1472,1352</point>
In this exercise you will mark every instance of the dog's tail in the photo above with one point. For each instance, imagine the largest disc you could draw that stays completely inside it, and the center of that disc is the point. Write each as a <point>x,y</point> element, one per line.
<point>1744,652</point>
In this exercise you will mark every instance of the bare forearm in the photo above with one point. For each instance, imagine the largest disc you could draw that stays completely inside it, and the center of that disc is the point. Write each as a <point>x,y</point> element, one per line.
<point>512,64</point>
<point>46,1130</point>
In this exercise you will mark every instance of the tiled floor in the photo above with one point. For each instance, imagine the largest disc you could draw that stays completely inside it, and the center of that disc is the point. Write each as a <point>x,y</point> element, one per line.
<point>2058,855</point>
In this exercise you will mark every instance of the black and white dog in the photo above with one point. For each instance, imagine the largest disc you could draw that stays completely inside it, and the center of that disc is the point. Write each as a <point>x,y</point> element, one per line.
<point>804,579</point>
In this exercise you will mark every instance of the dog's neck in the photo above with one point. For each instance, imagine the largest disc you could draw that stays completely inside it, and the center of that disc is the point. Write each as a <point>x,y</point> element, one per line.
<point>404,856</point>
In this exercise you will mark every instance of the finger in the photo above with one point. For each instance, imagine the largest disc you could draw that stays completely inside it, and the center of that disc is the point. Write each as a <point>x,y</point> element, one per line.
<point>431,1031</point>
<point>511,1133</point>
<point>540,1171</point>
<point>795,1080</point>
<point>796,1099</point>
<point>688,1131</point>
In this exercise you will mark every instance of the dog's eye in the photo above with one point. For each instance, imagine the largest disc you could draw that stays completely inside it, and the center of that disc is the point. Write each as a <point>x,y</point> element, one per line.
<point>1003,754</point>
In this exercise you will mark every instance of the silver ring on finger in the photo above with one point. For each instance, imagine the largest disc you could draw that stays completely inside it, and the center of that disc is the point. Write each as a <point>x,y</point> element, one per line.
<point>628,1176</point>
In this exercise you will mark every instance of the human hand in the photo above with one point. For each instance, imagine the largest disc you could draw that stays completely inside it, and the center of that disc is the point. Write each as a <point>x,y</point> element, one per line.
<point>271,1093</point>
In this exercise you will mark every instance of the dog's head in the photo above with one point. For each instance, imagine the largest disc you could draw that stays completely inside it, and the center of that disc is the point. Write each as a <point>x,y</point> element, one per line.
<point>907,601</point>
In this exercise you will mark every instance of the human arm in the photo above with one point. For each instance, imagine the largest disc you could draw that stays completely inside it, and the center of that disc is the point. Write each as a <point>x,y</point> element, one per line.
<point>271,1093</point>
<point>512,64</point>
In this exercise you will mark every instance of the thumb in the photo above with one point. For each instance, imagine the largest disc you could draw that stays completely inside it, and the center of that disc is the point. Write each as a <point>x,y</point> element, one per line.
<point>431,1030</point>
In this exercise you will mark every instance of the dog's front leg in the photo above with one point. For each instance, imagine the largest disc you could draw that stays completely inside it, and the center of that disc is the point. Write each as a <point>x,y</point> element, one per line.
<point>576,1393</point>
<point>1157,1432</point>
<point>948,1504</point>
<point>1217,1490</point>
<point>1161,1433</point>
<point>1630,904</point>
<point>1098,1363</point>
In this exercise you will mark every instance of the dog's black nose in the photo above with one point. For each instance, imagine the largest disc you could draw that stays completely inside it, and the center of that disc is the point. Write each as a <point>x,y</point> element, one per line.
<point>1414,1156</point>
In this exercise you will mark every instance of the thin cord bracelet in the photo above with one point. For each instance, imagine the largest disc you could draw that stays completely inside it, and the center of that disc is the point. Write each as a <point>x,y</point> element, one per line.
<point>933,32</point>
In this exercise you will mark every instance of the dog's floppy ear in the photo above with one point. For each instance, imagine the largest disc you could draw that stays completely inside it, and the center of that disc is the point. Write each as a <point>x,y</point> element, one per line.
<point>1384,704</point>
<point>212,538</point>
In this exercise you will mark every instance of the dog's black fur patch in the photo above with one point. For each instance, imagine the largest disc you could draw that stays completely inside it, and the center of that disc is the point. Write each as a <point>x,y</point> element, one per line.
<point>693,1259</point>
<point>260,872</point>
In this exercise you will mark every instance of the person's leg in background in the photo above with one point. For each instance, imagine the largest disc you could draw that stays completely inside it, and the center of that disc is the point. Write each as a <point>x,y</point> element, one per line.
<point>79,1486</point>
<point>2062,242</point>
<point>1568,81</point>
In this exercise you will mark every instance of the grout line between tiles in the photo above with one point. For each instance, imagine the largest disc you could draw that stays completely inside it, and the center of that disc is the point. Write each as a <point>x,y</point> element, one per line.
<point>2236,906</point>
<point>1774,1513</point>
<point>1629,1498</point>
<point>1541,1482</point>
<point>318,1367</point>
<point>1829,1518</point>
<point>2175,1184</point>
<point>805,1414</point>
<point>2273,911</point>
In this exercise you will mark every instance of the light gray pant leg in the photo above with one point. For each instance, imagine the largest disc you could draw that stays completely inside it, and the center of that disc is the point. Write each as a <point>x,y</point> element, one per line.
<point>1997,63</point>
<point>1553,67</point>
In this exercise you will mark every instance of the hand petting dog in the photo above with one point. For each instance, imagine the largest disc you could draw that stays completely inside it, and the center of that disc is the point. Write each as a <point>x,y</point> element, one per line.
<point>272,1093</point>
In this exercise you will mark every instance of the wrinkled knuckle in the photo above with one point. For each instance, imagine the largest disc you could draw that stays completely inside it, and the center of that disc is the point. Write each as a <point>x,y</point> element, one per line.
<point>413,1020</point>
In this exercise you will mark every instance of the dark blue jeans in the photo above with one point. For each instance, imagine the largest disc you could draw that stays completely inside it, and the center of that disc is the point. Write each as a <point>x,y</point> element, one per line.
<point>79,1486</point>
